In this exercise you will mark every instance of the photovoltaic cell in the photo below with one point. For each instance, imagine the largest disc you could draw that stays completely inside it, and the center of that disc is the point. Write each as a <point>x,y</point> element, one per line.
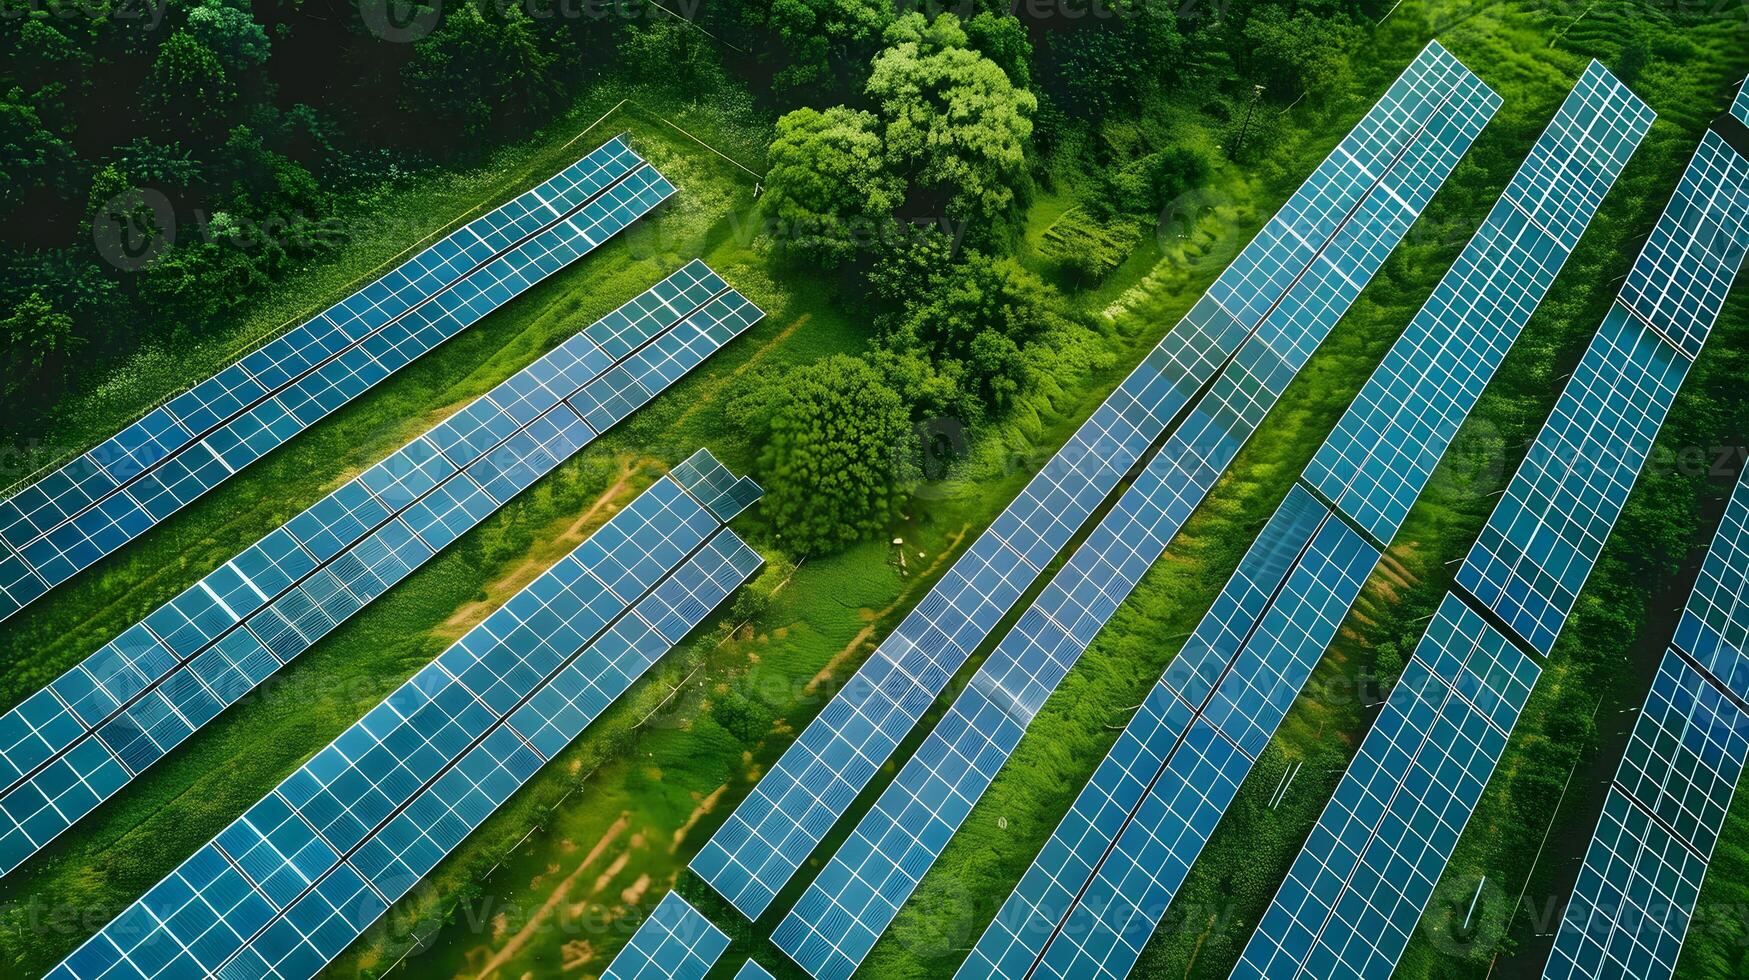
<point>356,827</point>
<point>1385,447</point>
<point>1357,888</point>
<point>792,806</point>
<point>321,576</point>
<point>674,943</point>
<point>76,515</point>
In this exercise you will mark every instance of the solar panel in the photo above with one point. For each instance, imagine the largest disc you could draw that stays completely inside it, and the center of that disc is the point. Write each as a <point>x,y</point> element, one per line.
<point>1631,906</point>
<point>1740,107</point>
<point>1714,629</point>
<point>1357,888</point>
<point>1385,447</point>
<point>1642,873</point>
<point>1112,865</point>
<point>772,831</point>
<point>842,914</point>
<point>674,943</point>
<point>317,570</point>
<point>1680,279</point>
<point>61,524</point>
<point>354,829</point>
<point>752,971</point>
<point>1544,536</point>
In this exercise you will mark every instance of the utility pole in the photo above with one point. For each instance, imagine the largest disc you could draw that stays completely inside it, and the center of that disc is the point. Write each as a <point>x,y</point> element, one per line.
<point>1245,124</point>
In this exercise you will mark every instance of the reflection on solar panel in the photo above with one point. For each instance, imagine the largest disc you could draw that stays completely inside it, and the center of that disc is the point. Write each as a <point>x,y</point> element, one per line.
<point>1360,883</point>
<point>1093,896</point>
<point>674,943</point>
<point>59,525</point>
<point>1642,872</point>
<point>76,742</point>
<point>1364,876</point>
<point>856,897</point>
<point>1385,447</point>
<point>356,827</point>
<point>773,830</point>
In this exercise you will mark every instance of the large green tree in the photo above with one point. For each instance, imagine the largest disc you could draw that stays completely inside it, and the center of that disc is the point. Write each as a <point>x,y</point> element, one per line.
<point>499,54</point>
<point>188,90</point>
<point>835,437</point>
<point>828,189</point>
<point>819,42</point>
<point>953,122</point>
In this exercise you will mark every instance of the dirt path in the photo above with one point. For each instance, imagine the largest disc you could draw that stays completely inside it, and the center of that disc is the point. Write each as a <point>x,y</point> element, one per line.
<point>555,899</point>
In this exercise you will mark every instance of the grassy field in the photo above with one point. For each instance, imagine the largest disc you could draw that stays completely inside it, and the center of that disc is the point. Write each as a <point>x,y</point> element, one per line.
<point>555,882</point>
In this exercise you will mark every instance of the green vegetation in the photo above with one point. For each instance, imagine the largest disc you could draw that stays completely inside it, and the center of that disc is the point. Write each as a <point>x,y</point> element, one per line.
<point>968,227</point>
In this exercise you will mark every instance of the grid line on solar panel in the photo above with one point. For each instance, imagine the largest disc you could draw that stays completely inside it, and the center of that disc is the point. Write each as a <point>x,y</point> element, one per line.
<point>346,367</point>
<point>298,923</point>
<point>1385,447</point>
<point>1714,628</point>
<point>1358,886</point>
<point>790,808</point>
<point>844,911</point>
<point>675,943</point>
<point>122,682</point>
<point>1544,536</point>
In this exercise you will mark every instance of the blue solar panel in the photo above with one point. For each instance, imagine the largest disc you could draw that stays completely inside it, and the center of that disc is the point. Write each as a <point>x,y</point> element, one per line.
<point>357,826</point>
<point>345,550</point>
<point>1642,872</point>
<point>793,805</point>
<point>1544,536</point>
<point>1113,864</point>
<point>674,943</point>
<point>752,971</point>
<point>1679,282</point>
<point>248,409</point>
<point>1385,447</point>
<point>1357,889</point>
<point>1714,629</point>
<point>1740,106</point>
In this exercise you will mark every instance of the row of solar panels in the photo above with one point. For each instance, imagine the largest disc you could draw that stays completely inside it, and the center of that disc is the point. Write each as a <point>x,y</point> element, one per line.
<point>793,805</point>
<point>1662,817</point>
<point>60,524</point>
<point>1110,871</point>
<point>1364,877</point>
<point>846,908</point>
<point>302,873</point>
<point>1090,901</point>
<point>79,740</point>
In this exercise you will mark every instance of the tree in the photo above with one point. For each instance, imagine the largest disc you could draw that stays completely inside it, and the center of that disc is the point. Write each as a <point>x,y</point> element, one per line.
<point>38,340</point>
<point>1296,54</point>
<point>31,156</point>
<point>820,41</point>
<point>1108,65</point>
<point>827,186</point>
<point>188,89</point>
<point>231,34</point>
<point>1003,40</point>
<point>951,119</point>
<point>498,53</point>
<point>833,432</point>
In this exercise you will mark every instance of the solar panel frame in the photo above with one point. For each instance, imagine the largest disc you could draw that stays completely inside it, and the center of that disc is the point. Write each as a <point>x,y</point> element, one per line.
<point>769,833</point>
<point>295,618</point>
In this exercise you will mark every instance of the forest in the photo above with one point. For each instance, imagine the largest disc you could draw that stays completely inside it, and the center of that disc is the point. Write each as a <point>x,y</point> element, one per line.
<point>966,222</point>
